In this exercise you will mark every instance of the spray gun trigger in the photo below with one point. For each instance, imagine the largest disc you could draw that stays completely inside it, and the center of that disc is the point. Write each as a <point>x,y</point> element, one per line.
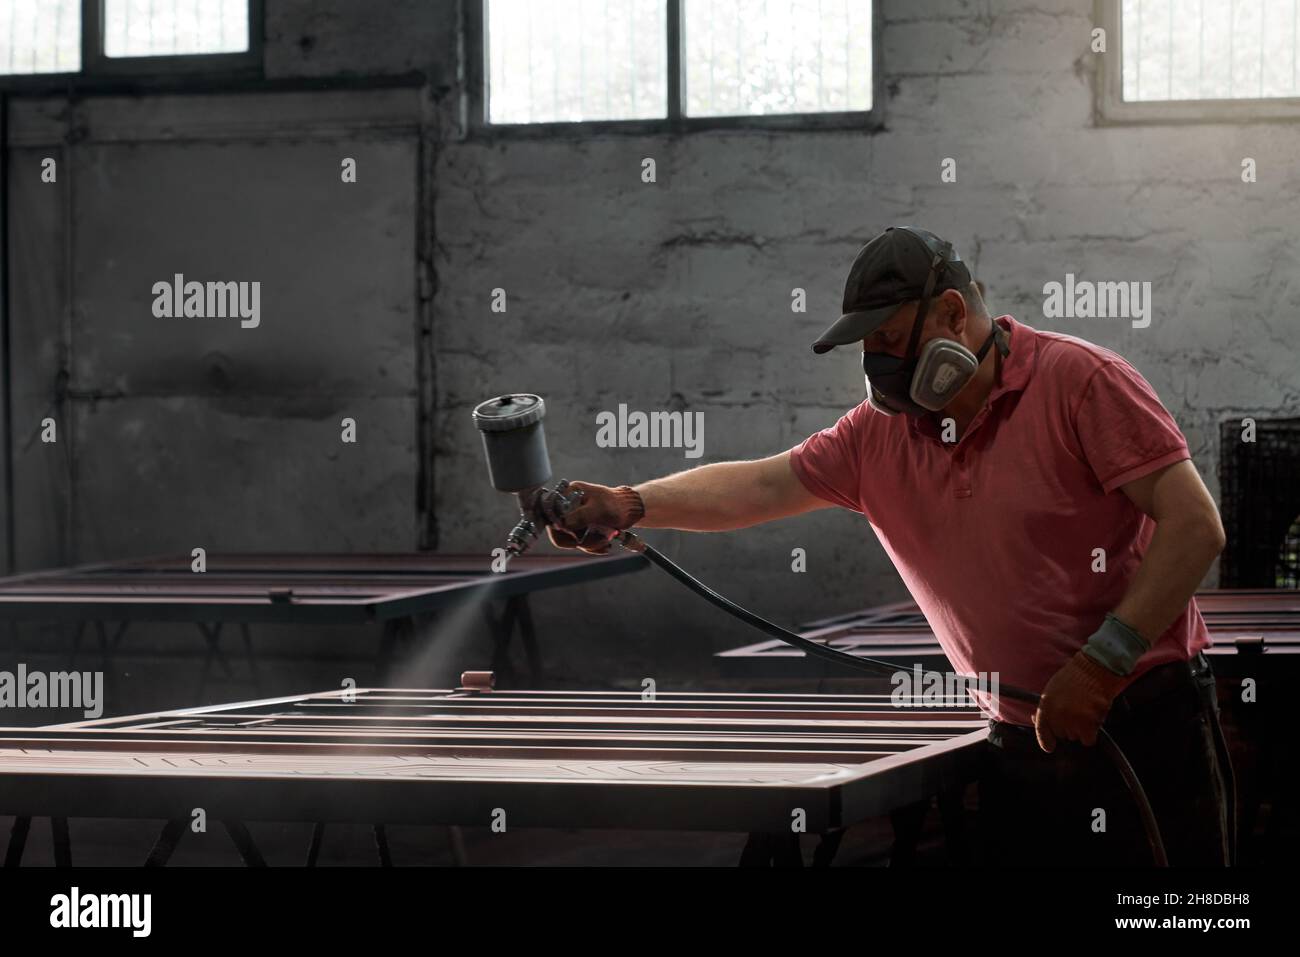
<point>567,498</point>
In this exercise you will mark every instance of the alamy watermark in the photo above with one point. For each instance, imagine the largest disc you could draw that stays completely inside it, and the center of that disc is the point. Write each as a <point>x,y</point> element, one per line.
<point>1085,299</point>
<point>919,688</point>
<point>179,299</point>
<point>651,430</point>
<point>75,909</point>
<point>53,689</point>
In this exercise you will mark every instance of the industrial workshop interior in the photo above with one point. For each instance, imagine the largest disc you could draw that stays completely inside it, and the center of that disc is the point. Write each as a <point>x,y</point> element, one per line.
<point>608,436</point>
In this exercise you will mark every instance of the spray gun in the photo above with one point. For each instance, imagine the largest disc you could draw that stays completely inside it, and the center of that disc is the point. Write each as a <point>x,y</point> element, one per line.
<point>518,462</point>
<point>515,445</point>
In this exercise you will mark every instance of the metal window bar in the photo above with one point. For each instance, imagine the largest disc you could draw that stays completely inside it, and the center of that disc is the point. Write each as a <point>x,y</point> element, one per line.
<point>58,32</point>
<point>1200,51</point>
<point>1137,50</point>
<point>532,97</point>
<point>1261,51</point>
<point>631,59</point>
<point>1232,47</point>
<point>740,60</point>
<point>676,81</point>
<point>821,72</point>
<point>713,57</point>
<point>34,45</point>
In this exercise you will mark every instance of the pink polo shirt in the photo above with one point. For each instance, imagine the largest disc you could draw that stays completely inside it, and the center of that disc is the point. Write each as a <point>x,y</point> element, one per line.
<point>994,535</point>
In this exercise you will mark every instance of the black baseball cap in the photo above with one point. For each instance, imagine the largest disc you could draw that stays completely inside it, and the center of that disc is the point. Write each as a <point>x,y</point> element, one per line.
<point>890,270</point>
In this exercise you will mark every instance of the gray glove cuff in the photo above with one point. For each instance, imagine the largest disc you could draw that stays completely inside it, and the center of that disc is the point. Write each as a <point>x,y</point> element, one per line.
<point>1115,646</point>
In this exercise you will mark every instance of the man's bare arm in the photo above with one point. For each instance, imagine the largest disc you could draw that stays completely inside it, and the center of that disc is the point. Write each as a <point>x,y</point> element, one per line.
<point>1187,537</point>
<point>727,495</point>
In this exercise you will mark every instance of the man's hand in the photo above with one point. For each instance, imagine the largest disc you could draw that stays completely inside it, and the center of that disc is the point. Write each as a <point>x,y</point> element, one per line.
<point>1075,702</point>
<point>604,512</point>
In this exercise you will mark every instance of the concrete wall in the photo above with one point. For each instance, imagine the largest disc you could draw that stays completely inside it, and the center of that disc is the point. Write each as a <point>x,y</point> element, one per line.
<point>673,295</point>
<point>183,432</point>
<point>678,294</point>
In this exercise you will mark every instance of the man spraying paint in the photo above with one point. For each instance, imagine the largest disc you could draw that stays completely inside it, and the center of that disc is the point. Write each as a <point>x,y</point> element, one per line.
<point>1041,506</point>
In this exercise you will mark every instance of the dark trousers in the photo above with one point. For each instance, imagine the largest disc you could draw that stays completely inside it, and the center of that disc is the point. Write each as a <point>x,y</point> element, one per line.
<point>1071,807</point>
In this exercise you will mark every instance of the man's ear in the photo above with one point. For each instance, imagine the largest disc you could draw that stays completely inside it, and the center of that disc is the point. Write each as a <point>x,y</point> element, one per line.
<point>956,311</point>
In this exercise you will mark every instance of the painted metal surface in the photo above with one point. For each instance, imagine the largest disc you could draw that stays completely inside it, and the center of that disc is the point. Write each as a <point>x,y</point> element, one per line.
<point>289,588</point>
<point>732,762</point>
<point>1244,624</point>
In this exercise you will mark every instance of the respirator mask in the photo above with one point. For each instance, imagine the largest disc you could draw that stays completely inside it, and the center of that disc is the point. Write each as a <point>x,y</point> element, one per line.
<point>904,264</point>
<point>919,384</point>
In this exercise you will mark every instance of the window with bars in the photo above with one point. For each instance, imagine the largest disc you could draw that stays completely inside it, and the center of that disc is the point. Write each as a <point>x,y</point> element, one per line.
<point>765,57</point>
<point>1202,59</point>
<point>575,60</point>
<point>116,36</point>
<point>174,27</point>
<point>40,36</point>
<point>547,62</point>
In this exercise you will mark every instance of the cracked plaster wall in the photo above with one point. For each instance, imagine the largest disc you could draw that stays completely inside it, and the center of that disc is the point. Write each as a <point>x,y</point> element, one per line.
<point>677,294</point>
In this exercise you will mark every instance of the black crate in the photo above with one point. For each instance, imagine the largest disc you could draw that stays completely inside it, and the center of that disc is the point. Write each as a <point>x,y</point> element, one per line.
<point>1260,487</point>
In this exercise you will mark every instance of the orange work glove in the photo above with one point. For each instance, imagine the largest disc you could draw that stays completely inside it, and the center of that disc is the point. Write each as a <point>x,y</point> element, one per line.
<point>1076,702</point>
<point>602,514</point>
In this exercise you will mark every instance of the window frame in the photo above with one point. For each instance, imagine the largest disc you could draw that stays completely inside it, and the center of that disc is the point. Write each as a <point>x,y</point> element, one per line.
<point>1114,110</point>
<point>474,100</point>
<point>183,69</point>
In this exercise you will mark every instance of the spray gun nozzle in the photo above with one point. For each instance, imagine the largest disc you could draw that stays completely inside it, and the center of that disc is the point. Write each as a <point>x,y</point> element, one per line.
<point>524,533</point>
<point>539,507</point>
<point>521,537</point>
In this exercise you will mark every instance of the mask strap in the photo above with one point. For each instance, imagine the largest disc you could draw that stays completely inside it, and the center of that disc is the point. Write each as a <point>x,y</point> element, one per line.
<point>936,265</point>
<point>996,335</point>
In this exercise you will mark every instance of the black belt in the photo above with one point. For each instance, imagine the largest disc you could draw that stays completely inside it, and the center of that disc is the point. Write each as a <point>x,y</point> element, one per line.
<point>1176,678</point>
